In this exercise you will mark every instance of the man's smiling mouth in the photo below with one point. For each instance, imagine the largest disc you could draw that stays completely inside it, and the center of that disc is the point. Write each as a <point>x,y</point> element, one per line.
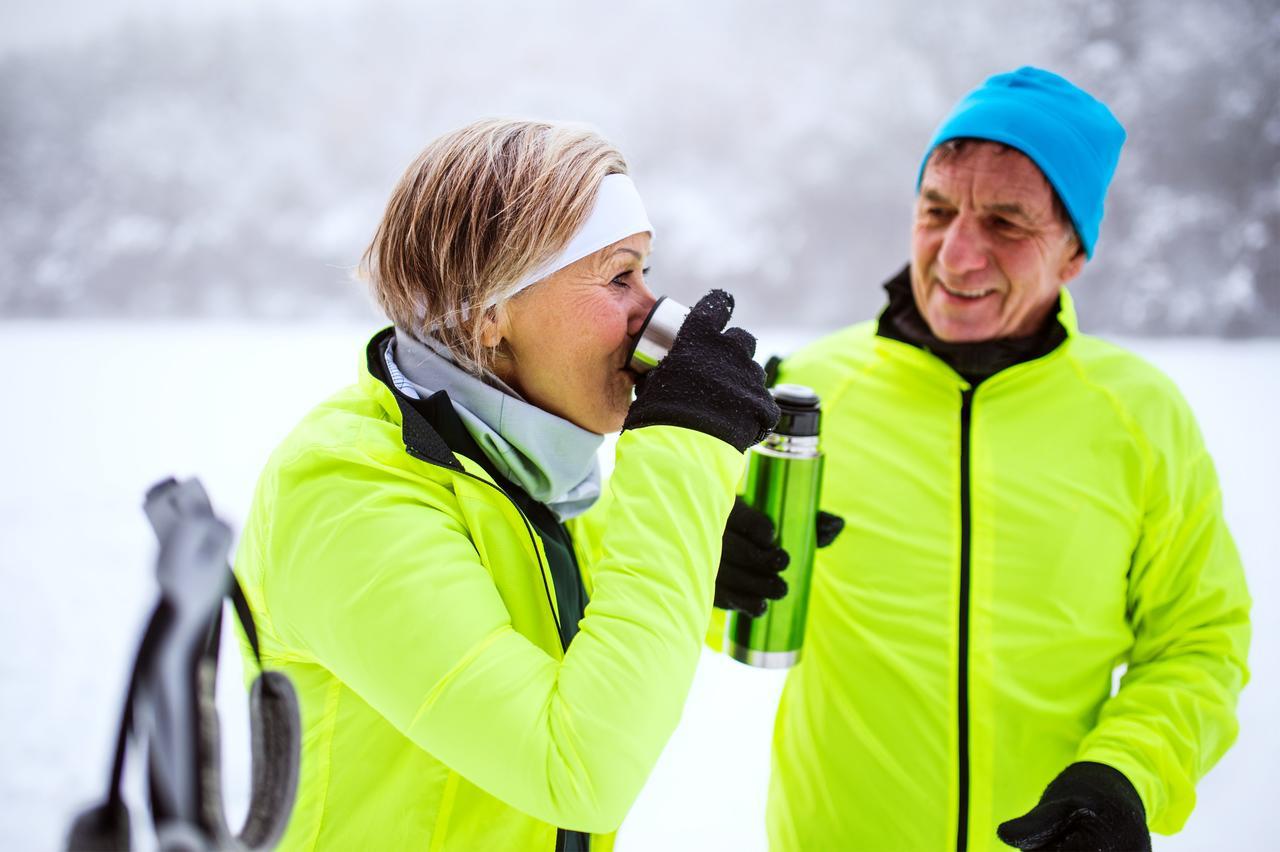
<point>972,295</point>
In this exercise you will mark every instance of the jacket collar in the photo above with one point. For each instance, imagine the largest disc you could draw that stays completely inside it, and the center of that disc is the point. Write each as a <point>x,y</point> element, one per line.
<point>901,320</point>
<point>417,418</point>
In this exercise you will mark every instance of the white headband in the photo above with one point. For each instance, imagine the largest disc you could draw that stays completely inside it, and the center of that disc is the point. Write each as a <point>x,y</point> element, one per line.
<point>618,213</point>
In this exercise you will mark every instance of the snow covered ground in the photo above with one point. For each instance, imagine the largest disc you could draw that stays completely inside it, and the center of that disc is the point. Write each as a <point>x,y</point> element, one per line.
<point>94,413</point>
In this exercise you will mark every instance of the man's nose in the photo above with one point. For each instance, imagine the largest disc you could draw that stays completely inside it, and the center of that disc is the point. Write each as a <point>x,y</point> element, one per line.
<point>964,246</point>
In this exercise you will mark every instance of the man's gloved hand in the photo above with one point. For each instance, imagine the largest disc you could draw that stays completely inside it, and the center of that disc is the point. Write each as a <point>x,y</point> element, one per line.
<point>1088,806</point>
<point>708,381</point>
<point>750,561</point>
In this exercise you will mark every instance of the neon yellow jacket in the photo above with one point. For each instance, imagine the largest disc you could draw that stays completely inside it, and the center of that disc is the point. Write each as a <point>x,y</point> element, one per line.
<point>1094,537</point>
<point>410,603</point>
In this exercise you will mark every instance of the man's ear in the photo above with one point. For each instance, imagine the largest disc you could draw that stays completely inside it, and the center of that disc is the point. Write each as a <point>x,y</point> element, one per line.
<point>1073,265</point>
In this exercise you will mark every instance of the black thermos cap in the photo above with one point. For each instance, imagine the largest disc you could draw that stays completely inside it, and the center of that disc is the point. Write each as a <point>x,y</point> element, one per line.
<point>800,410</point>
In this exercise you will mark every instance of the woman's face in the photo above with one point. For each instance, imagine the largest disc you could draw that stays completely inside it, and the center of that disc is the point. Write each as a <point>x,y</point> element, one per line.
<point>566,340</point>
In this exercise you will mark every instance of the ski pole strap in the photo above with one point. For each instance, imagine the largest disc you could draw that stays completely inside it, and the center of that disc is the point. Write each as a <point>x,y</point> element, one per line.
<point>246,617</point>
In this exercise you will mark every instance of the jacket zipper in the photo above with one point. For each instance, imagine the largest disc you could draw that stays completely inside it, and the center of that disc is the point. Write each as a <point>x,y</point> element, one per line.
<point>962,681</point>
<point>562,837</point>
<point>561,834</point>
<point>543,568</point>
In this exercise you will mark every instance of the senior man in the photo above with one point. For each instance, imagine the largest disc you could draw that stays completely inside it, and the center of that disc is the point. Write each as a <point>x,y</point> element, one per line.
<point>1027,508</point>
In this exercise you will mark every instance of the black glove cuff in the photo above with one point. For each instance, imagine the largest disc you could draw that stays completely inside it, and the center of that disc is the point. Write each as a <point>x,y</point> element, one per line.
<point>1088,806</point>
<point>1087,779</point>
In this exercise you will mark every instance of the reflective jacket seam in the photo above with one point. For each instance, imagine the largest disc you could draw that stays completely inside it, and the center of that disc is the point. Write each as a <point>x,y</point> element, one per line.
<point>467,658</point>
<point>330,715</point>
<point>446,812</point>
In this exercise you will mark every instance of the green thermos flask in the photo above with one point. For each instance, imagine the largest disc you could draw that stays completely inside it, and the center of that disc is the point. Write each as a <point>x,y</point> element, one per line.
<point>784,476</point>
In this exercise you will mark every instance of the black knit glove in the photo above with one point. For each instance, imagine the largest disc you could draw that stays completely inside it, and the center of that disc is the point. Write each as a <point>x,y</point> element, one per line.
<point>708,381</point>
<point>750,561</point>
<point>1088,806</point>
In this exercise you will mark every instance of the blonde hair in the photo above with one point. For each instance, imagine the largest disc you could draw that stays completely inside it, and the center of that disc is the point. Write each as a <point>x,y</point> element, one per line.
<point>477,211</point>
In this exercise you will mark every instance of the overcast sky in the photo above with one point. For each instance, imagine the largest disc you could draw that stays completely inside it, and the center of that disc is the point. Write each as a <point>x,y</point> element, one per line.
<point>232,157</point>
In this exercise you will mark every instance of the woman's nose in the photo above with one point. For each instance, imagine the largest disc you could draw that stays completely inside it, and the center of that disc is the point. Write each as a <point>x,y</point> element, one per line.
<point>964,247</point>
<point>641,304</point>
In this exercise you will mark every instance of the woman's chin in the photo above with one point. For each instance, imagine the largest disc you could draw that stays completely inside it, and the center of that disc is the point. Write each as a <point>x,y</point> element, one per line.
<point>615,405</point>
<point>602,419</point>
<point>607,412</point>
<point>607,420</point>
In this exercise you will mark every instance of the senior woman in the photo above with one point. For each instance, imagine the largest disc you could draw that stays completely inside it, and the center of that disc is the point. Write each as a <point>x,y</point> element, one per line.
<point>489,651</point>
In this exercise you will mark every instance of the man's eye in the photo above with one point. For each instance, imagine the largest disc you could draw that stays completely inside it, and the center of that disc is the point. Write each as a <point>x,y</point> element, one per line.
<point>936,213</point>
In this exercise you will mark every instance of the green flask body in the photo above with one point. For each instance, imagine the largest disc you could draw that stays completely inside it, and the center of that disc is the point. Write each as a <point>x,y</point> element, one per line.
<point>783,480</point>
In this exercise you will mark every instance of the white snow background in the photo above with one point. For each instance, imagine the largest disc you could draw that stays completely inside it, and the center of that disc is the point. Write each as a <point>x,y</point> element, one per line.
<point>96,412</point>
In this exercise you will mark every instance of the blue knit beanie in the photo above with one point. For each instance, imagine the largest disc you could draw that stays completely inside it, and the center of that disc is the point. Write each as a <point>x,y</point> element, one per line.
<point>1072,137</point>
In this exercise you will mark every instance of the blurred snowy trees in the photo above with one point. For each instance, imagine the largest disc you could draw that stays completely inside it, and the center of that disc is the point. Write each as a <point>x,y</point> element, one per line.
<point>235,165</point>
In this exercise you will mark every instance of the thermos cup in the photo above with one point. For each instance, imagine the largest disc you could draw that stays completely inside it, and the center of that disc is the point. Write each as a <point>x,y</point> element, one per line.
<point>657,334</point>
<point>783,478</point>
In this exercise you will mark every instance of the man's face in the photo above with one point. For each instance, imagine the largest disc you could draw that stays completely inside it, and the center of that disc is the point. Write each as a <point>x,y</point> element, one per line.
<point>989,254</point>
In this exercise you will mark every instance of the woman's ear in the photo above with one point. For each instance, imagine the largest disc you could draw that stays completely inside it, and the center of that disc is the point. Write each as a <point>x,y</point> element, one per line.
<point>494,326</point>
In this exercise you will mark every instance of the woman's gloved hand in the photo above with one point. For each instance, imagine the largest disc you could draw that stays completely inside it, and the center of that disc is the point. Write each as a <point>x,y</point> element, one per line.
<point>708,381</point>
<point>750,561</point>
<point>1088,806</point>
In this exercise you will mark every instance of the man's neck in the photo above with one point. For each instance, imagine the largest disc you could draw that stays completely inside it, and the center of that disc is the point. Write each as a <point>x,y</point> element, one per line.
<point>901,320</point>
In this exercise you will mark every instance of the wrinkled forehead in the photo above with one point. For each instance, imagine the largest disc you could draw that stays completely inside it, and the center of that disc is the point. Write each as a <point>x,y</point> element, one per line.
<point>987,171</point>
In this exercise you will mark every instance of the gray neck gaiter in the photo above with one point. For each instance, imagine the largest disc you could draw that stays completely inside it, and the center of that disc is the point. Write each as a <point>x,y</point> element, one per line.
<point>553,460</point>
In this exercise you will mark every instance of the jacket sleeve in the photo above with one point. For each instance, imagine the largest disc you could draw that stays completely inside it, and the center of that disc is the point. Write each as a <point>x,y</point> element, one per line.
<point>588,541</point>
<point>1174,714</point>
<point>396,602</point>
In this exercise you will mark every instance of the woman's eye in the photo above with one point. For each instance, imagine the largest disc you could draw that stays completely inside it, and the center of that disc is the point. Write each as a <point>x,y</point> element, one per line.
<point>624,279</point>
